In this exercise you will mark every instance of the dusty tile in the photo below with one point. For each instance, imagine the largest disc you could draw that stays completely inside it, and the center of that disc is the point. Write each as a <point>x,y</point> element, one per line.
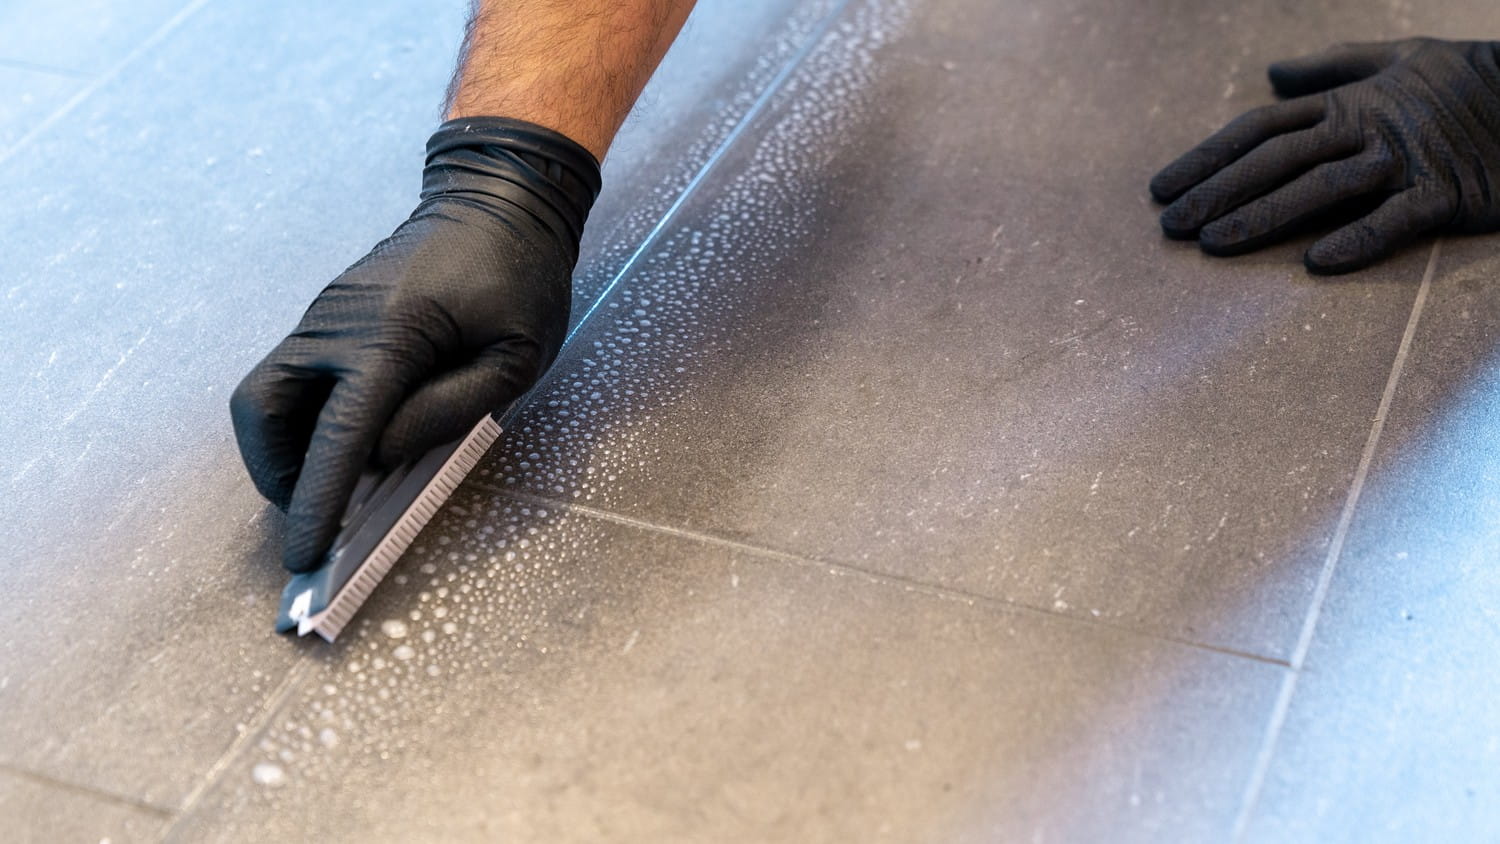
<point>157,243</point>
<point>144,565</point>
<point>27,97</point>
<point>923,321</point>
<point>550,676</point>
<point>35,810</point>
<point>80,35</point>
<point>1394,731</point>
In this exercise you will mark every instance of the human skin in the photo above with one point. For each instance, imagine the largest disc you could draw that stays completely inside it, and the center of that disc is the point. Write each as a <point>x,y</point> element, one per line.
<point>573,66</point>
<point>462,309</point>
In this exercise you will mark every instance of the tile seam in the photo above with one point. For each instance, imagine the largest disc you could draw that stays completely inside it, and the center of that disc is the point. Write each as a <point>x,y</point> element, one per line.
<point>45,69</point>
<point>87,790</point>
<point>760,106</point>
<point>104,78</point>
<point>1282,706</point>
<point>883,578</point>
<point>274,702</point>
<point>268,709</point>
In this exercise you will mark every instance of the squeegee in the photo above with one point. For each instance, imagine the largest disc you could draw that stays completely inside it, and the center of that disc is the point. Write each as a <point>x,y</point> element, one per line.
<point>384,516</point>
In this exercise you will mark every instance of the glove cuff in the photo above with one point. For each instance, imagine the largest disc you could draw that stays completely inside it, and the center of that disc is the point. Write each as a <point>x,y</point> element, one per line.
<point>502,163</point>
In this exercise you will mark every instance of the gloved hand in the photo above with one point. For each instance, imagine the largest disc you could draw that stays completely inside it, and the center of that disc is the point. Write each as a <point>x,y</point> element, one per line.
<point>453,316</point>
<point>1416,122</point>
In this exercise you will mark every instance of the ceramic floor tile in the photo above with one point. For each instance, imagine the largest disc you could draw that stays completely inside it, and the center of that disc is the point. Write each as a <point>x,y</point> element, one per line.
<point>1394,731</point>
<point>35,811</point>
<point>918,321</point>
<point>923,321</point>
<point>156,246</point>
<point>27,97</point>
<point>543,675</point>
<point>144,566</point>
<point>713,79</point>
<point>88,36</point>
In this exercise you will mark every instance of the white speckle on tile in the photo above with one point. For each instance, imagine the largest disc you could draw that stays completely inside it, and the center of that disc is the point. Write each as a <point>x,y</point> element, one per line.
<point>494,573</point>
<point>268,774</point>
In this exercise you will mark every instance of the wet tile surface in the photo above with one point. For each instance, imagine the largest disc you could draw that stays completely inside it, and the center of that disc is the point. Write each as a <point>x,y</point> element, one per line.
<point>713,79</point>
<point>1394,732</point>
<point>548,676</point>
<point>907,330</point>
<point>138,289</point>
<point>52,813</point>
<point>915,328</point>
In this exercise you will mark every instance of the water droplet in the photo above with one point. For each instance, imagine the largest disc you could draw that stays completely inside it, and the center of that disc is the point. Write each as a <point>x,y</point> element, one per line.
<point>268,774</point>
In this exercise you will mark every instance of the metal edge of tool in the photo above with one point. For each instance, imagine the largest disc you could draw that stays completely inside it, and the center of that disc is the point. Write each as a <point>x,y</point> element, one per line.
<point>325,600</point>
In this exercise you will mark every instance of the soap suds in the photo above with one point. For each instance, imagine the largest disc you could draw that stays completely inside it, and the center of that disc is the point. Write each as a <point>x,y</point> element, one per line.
<point>492,580</point>
<point>596,421</point>
<point>268,774</point>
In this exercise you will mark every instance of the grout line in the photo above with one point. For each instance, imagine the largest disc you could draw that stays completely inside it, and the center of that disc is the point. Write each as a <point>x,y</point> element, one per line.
<point>1330,563</point>
<point>279,696</point>
<point>750,116</point>
<point>90,791</point>
<point>50,70</point>
<point>263,716</point>
<point>102,79</point>
<point>276,698</point>
<point>885,578</point>
<point>757,108</point>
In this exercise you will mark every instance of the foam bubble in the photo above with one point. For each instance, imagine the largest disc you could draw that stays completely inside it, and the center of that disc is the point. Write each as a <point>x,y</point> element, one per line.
<point>596,428</point>
<point>268,774</point>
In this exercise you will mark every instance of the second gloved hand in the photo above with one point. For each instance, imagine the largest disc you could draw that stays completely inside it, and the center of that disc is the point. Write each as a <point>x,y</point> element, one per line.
<point>1414,122</point>
<point>453,316</point>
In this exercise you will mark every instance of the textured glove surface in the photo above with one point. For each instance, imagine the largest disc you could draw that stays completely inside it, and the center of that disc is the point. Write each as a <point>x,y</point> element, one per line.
<point>453,316</point>
<point>1415,123</point>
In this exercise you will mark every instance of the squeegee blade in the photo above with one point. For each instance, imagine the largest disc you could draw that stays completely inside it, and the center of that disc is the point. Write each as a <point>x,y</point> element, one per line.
<point>387,513</point>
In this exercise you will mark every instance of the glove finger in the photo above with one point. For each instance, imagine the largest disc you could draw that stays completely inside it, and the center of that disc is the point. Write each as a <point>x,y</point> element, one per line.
<point>347,430</point>
<point>1269,218</point>
<point>1227,145</point>
<point>445,408</point>
<point>274,410</point>
<point>1335,66</point>
<point>1265,168</point>
<point>1398,221</point>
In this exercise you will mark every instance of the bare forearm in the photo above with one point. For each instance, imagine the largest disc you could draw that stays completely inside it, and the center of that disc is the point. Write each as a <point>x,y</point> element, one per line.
<point>574,66</point>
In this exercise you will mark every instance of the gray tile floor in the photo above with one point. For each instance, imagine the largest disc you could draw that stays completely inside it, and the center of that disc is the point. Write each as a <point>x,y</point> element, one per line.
<point>900,484</point>
<point>31,94</point>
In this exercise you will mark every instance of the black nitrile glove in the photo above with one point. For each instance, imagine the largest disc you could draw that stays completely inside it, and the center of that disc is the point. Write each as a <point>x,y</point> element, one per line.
<point>1414,122</point>
<point>453,316</point>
